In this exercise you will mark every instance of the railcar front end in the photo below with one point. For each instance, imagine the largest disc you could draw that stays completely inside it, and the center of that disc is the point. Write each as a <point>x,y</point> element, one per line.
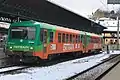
<point>23,40</point>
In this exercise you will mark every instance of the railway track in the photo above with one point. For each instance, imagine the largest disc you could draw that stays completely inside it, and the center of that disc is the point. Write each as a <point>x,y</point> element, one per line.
<point>7,62</point>
<point>60,59</point>
<point>12,69</point>
<point>98,71</point>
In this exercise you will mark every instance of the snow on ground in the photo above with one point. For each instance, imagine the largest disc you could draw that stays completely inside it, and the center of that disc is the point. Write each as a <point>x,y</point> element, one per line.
<point>59,71</point>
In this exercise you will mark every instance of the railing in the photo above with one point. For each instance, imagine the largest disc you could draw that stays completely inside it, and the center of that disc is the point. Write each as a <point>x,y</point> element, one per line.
<point>111,47</point>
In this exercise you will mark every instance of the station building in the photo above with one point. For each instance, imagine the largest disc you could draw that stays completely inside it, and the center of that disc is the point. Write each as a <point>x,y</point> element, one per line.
<point>109,34</point>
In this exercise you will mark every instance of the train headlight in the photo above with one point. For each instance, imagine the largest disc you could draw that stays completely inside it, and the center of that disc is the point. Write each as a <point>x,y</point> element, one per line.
<point>10,47</point>
<point>31,47</point>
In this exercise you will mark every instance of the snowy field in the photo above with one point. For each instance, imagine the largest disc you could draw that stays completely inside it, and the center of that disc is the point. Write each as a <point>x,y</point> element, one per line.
<point>59,71</point>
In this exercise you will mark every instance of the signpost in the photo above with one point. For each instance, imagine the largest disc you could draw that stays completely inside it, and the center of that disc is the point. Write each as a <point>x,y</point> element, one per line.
<point>113,1</point>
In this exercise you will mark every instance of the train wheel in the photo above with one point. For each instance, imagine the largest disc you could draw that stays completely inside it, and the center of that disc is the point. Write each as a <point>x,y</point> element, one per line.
<point>15,59</point>
<point>50,57</point>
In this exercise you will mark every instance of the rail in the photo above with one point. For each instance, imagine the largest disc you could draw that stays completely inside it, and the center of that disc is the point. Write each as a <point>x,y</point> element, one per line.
<point>98,71</point>
<point>12,69</point>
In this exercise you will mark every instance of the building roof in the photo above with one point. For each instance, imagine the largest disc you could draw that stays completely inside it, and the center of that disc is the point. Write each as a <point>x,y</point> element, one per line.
<point>44,11</point>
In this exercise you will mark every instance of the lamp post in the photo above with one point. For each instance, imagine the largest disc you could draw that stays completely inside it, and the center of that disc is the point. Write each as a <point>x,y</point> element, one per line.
<point>117,32</point>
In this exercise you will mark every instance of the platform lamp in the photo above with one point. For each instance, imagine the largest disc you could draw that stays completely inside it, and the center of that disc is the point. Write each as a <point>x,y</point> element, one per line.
<point>117,32</point>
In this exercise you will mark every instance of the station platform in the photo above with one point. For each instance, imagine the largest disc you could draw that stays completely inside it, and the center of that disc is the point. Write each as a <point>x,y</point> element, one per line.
<point>113,74</point>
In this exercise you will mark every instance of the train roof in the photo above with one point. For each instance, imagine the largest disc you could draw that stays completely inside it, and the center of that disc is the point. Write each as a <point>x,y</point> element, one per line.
<point>49,26</point>
<point>64,29</point>
<point>96,35</point>
<point>71,30</point>
<point>44,25</point>
<point>93,34</point>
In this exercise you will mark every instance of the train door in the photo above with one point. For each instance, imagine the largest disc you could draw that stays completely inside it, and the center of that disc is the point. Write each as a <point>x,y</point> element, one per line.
<point>83,38</point>
<point>43,37</point>
<point>85,42</point>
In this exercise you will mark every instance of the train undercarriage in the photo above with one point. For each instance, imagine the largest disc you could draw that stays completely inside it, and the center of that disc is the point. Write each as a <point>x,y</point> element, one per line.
<point>27,57</point>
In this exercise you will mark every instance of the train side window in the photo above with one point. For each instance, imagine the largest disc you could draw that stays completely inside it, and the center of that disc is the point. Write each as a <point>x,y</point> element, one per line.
<point>79,38</point>
<point>73,38</point>
<point>67,37</point>
<point>76,38</point>
<point>63,37</point>
<point>51,36</point>
<point>70,38</point>
<point>43,36</point>
<point>88,38</point>
<point>59,37</point>
<point>92,40</point>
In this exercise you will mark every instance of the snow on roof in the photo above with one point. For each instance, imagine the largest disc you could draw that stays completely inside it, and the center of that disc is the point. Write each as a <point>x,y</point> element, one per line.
<point>111,24</point>
<point>111,29</point>
<point>108,22</point>
<point>104,18</point>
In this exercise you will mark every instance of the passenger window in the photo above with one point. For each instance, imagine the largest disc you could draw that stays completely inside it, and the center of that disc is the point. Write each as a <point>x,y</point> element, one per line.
<point>76,38</point>
<point>73,38</point>
<point>67,37</point>
<point>51,36</point>
<point>59,37</point>
<point>70,38</point>
<point>43,36</point>
<point>79,38</point>
<point>63,37</point>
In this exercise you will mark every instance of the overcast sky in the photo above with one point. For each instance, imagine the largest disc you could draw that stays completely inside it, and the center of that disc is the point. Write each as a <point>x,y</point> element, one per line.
<point>85,7</point>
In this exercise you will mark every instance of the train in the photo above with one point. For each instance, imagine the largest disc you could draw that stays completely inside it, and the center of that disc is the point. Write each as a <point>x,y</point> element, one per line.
<point>45,41</point>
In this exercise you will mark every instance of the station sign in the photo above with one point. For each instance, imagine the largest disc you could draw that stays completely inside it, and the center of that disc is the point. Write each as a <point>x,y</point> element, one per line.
<point>4,19</point>
<point>113,1</point>
<point>7,19</point>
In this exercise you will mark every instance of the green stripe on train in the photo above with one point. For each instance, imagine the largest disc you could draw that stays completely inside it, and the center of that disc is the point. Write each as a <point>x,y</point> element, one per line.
<point>16,45</point>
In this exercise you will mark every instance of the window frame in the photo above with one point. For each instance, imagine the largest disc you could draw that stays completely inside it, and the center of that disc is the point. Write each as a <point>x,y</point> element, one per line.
<point>59,38</point>
<point>63,37</point>
<point>51,37</point>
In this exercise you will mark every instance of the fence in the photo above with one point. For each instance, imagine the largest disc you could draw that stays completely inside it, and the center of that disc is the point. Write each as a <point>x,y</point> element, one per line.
<point>111,47</point>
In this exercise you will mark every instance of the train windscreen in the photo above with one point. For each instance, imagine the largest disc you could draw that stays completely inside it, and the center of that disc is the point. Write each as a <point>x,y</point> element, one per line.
<point>22,33</point>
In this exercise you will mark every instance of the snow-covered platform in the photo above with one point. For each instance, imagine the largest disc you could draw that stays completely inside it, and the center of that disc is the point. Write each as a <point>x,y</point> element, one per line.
<point>114,74</point>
